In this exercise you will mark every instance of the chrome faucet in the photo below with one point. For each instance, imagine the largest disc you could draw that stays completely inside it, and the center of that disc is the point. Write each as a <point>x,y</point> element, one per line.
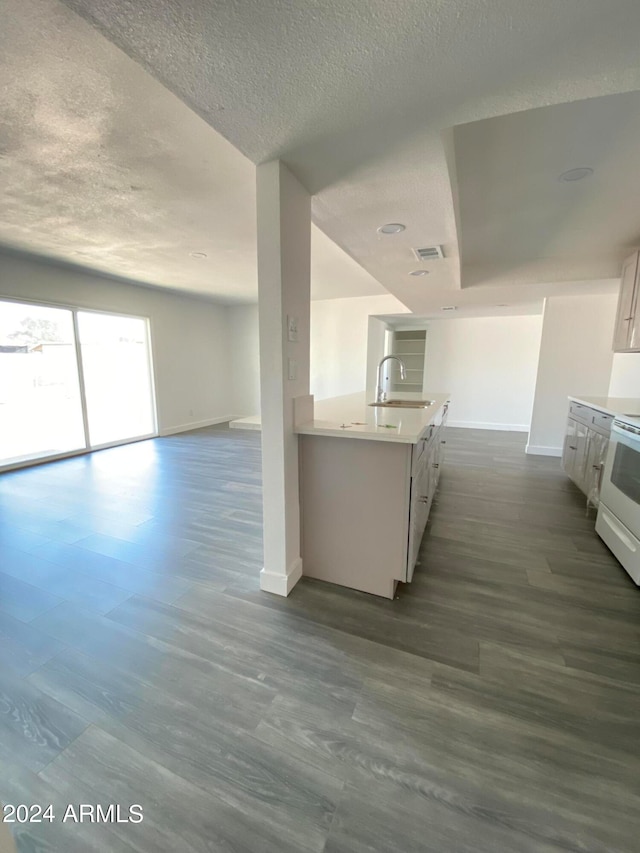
<point>381,394</point>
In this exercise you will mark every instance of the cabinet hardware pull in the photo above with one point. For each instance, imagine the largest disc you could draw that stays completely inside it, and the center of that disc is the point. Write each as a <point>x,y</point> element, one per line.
<point>436,465</point>
<point>597,467</point>
<point>424,499</point>
<point>572,447</point>
<point>443,442</point>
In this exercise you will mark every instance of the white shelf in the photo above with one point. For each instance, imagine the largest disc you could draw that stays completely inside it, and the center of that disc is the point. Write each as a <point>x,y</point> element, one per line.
<point>410,347</point>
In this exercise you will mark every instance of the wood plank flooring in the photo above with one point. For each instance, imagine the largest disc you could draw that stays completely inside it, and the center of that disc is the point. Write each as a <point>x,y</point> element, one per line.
<point>493,706</point>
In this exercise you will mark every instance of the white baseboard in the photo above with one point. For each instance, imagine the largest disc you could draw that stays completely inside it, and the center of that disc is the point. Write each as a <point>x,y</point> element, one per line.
<point>281,584</point>
<point>541,450</point>
<point>195,425</point>
<point>483,425</point>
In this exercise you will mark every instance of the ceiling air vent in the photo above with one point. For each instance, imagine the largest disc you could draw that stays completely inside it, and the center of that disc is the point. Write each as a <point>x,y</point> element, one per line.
<point>431,253</point>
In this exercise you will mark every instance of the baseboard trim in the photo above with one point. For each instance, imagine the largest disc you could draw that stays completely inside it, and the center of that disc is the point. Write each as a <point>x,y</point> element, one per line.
<point>541,450</point>
<point>281,584</point>
<point>483,425</point>
<point>195,425</point>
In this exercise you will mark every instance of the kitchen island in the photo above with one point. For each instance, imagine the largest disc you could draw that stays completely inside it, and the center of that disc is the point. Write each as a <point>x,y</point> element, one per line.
<point>368,475</point>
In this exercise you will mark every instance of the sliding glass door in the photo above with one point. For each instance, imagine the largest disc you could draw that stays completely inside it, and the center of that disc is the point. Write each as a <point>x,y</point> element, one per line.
<point>40,401</point>
<point>117,377</point>
<point>71,380</point>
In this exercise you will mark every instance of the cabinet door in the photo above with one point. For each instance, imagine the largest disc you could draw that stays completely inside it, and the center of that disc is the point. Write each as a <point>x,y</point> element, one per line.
<point>583,434</point>
<point>436,461</point>
<point>627,330</point>
<point>575,452</point>
<point>421,497</point>
<point>596,457</point>
<point>570,447</point>
<point>443,446</point>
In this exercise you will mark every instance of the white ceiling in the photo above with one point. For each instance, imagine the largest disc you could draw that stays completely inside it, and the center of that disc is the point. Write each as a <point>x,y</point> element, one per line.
<point>418,321</point>
<point>102,166</point>
<point>376,106</point>
<point>519,223</point>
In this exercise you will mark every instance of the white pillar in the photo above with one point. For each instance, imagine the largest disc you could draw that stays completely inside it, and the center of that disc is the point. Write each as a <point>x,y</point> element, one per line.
<point>284,260</point>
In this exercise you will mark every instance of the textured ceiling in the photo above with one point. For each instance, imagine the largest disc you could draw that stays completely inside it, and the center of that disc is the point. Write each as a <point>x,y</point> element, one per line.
<point>359,96</point>
<point>377,107</point>
<point>101,166</point>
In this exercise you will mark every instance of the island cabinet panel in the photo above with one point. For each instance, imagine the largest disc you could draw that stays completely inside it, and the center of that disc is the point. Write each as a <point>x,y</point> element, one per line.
<point>355,498</point>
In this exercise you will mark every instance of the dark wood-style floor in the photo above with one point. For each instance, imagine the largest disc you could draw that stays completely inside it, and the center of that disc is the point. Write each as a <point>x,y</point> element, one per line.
<point>493,706</point>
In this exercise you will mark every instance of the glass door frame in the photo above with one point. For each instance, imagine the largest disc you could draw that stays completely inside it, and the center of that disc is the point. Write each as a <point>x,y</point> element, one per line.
<point>88,448</point>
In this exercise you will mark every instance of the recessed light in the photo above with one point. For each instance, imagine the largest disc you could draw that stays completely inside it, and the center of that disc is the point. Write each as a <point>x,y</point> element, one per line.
<point>198,255</point>
<point>391,228</point>
<point>419,272</point>
<point>502,305</point>
<point>576,174</point>
<point>449,308</point>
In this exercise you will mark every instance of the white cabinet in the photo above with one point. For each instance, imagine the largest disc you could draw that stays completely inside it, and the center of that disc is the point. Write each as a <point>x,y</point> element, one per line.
<point>424,483</point>
<point>574,457</point>
<point>627,330</point>
<point>570,447</point>
<point>423,486</point>
<point>585,448</point>
<point>596,458</point>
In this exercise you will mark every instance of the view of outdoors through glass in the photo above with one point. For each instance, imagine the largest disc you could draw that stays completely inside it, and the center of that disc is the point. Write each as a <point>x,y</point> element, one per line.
<point>116,376</point>
<point>40,407</point>
<point>41,402</point>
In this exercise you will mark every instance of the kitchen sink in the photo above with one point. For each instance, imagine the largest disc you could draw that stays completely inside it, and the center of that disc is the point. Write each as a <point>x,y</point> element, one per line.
<point>404,404</point>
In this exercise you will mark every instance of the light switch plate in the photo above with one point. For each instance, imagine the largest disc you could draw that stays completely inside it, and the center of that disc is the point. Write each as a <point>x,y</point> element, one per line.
<point>292,328</point>
<point>293,368</point>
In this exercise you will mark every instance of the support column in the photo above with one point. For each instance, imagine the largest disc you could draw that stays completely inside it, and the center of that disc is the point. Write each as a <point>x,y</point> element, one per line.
<point>284,261</point>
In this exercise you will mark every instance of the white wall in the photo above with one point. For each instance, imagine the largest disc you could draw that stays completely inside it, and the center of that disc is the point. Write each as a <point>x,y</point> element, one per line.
<point>339,337</point>
<point>339,341</point>
<point>378,345</point>
<point>244,359</point>
<point>189,336</point>
<point>625,375</point>
<point>488,364</point>
<point>575,358</point>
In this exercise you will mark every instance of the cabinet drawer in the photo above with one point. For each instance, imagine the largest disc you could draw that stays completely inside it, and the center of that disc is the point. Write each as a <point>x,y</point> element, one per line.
<point>580,412</point>
<point>601,422</point>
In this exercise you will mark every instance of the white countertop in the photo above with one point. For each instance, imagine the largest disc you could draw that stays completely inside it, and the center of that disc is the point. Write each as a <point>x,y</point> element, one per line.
<point>351,416</point>
<point>611,405</point>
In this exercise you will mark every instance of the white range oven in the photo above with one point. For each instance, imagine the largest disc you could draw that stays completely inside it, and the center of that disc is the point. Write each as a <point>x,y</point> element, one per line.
<point>618,522</point>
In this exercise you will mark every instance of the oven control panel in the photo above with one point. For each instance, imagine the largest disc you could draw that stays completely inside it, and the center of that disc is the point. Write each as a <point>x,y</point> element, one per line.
<point>627,427</point>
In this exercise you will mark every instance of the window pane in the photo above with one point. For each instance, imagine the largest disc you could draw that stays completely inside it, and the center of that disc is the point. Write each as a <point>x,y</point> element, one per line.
<point>40,409</point>
<point>117,377</point>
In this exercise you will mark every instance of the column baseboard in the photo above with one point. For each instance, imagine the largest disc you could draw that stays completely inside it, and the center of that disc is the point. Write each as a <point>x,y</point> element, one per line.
<point>541,450</point>
<point>279,584</point>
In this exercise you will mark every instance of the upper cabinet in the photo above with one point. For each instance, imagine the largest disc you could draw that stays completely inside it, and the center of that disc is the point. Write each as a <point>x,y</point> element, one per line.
<point>627,332</point>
